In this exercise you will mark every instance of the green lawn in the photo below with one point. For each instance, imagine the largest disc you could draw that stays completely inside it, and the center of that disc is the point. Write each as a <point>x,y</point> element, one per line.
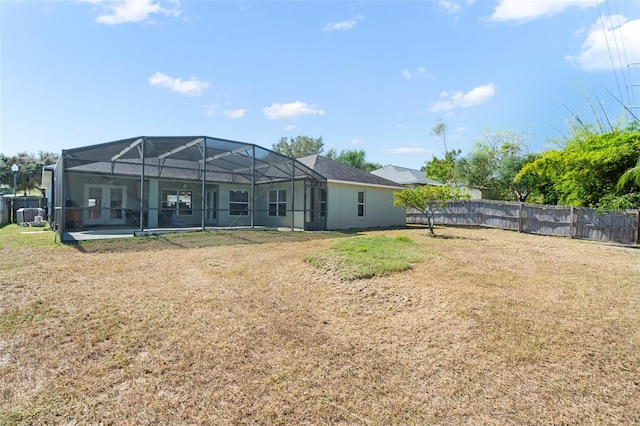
<point>366,257</point>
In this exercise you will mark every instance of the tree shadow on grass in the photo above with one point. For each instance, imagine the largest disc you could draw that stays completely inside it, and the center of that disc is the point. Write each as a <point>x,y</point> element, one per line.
<point>439,228</point>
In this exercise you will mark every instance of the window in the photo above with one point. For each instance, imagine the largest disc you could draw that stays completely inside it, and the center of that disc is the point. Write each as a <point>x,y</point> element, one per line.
<point>360,203</point>
<point>177,202</point>
<point>278,202</point>
<point>185,206</point>
<point>239,203</point>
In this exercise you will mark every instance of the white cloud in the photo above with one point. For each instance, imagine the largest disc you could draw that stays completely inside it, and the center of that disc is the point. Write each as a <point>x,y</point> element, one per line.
<point>121,11</point>
<point>88,130</point>
<point>408,151</point>
<point>450,6</point>
<point>289,127</point>
<point>291,110</point>
<point>524,11</point>
<point>356,141</point>
<point>411,74</point>
<point>211,110</point>
<point>453,7</point>
<point>235,113</point>
<point>192,87</point>
<point>344,25</point>
<point>618,32</point>
<point>476,96</point>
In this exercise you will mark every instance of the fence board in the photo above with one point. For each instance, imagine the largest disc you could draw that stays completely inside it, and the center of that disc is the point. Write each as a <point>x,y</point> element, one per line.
<point>619,227</point>
<point>547,220</point>
<point>12,204</point>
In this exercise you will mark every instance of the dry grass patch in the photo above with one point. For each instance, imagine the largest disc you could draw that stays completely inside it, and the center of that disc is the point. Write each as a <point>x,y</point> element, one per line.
<point>497,328</point>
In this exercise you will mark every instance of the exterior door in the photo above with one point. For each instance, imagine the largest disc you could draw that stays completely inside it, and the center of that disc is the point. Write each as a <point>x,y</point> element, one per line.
<point>104,205</point>
<point>211,207</point>
<point>315,215</point>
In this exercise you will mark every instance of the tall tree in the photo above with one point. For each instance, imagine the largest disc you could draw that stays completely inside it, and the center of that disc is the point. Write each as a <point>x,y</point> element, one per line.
<point>494,162</point>
<point>356,158</point>
<point>490,166</point>
<point>588,169</point>
<point>29,175</point>
<point>440,169</point>
<point>300,146</point>
<point>440,130</point>
<point>508,169</point>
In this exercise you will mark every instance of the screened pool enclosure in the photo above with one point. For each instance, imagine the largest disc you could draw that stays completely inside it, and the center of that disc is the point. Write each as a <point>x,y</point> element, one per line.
<point>149,183</point>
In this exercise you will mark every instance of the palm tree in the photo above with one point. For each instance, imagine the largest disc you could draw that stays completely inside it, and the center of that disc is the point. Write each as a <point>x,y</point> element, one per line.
<point>631,175</point>
<point>440,130</point>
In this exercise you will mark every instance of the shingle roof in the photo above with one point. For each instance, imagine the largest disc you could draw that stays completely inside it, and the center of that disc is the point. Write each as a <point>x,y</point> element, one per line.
<point>335,170</point>
<point>404,176</point>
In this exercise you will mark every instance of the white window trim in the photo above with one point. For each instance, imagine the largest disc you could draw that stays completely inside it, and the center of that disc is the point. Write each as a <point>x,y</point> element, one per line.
<point>245,211</point>
<point>363,204</point>
<point>277,203</point>
<point>176,208</point>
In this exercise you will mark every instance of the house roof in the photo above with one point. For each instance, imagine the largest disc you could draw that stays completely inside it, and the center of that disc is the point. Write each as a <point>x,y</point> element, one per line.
<point>334,170</point>
<point>187,157</point>
<point>404,176</point>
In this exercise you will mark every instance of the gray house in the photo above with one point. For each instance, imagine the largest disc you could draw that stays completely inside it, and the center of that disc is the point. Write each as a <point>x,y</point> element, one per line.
<point>404,176</point>
<point>151,183</point>
<point>412,178</point>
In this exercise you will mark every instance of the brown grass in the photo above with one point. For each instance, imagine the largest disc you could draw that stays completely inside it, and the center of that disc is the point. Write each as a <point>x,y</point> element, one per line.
<point>493,327</point>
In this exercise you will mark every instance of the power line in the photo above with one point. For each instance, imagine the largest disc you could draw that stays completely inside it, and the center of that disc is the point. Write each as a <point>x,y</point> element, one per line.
<point>629,85</point>
<point>606,39</point>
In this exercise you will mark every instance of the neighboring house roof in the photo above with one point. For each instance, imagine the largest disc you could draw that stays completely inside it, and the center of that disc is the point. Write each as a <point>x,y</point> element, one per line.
<point>404,176</point>
<point>334,170</point>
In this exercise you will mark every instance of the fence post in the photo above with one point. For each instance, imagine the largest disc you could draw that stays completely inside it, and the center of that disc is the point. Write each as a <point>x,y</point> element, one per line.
<point>12,212</point>
<point>637,233</point>
<point>520,216</point>
<point>571,224</point>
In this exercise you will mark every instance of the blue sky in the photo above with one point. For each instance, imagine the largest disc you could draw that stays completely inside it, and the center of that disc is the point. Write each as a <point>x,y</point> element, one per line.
<point>370,75</point>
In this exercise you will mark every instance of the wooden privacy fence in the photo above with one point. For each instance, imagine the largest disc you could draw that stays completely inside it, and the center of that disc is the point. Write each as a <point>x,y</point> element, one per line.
<point>10,205</point>
<point>574,222</point>
<point>4,216</point>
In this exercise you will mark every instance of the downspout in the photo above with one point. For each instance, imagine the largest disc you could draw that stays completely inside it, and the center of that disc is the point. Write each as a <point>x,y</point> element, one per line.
<point>141,150</point>
<point>52,199</point>
<point>203,149</point>
<point>63,198</point>
<point>253,184</point>
<point>293,194</point>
